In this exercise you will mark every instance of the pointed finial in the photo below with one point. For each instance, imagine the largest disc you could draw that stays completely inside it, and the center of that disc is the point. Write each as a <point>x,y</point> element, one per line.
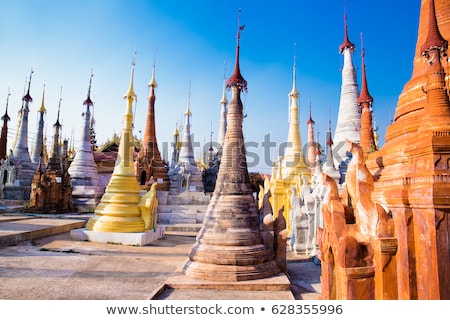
<point>59,109</point>
<point>224,94</point>
<point>130,93</point>
<point>237,79</point>
<point>7,100</point>
<point>5,116</point>
<point>42,108</point>
<point>294,91</point>
<point>188,110</point>
<point>152,82</point>
<point>329,139</point>
<point>27,96</point>
<point>310,120</point>
<point>365,95</point>
<point>346,44</point>
<point>88,102</point>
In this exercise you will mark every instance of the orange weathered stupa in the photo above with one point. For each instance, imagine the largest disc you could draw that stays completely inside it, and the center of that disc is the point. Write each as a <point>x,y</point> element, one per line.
<point>412,169</point>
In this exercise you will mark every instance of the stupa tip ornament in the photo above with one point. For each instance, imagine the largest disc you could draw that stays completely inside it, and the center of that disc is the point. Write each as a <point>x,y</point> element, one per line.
<point>236,78</point>
<point>120,207</point>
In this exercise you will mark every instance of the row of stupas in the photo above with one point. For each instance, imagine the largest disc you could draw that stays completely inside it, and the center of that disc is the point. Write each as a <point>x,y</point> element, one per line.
<point>149,165</point>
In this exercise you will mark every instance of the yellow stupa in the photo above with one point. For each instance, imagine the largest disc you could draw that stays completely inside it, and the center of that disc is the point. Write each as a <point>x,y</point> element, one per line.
<point>293,162</point>
<point>118,210</point>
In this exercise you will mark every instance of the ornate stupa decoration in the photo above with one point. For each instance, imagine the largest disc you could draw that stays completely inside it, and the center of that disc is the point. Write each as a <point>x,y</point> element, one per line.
<point>149,165</point>
<point>86,184</point>
<point>365,102</point>
<point>4,134</point>
<point>293,161</point>
<point>20,155</point>
<point>348,123</point>
<point>230,246</point>
<point>118,210</point>
<point>51,189</point>
<point>36,152</point>
<point>411,169</point>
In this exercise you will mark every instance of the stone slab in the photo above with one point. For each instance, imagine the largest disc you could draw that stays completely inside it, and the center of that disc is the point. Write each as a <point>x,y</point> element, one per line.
<point>124,238</point>
<point>13,232</point>
<point>279,282</point>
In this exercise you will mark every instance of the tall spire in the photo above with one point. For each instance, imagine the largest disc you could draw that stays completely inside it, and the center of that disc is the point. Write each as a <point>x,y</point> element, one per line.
<point>36,153</point>
<point>348,123</point>
<point>365,101</point>
<point>149,165</point>
<point>4,134</point>
<point>294,162</point>
<point>230,246</point>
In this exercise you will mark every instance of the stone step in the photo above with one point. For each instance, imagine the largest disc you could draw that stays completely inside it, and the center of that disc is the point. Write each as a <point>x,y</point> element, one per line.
<point>172,218</point>
<point>185,229</point>
<point>13,232</point>
<point>174,208</point>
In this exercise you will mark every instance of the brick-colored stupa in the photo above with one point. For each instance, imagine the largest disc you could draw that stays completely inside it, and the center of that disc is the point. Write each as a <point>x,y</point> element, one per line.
<point>411,170</point>
<point>230,245</point>
<point>148,164</point>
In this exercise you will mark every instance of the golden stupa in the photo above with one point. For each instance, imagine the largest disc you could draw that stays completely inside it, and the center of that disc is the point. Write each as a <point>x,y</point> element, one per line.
<point>118,210</point>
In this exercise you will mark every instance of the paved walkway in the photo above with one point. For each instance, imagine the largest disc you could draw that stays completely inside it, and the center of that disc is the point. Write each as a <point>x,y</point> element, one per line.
<point>39,261</point>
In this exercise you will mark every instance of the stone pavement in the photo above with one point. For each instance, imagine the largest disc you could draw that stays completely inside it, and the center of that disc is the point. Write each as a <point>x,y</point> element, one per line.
<point>39,261</point>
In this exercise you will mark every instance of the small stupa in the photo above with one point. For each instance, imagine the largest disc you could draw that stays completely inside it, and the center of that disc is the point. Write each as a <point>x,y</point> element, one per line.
<point>86,184</point>
<point>20,156</point>
<point>51,190</point>
<point>190,175</point>
<point>230,245</point>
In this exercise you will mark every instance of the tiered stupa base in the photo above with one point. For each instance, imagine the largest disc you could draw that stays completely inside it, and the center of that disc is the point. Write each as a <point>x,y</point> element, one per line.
<point>118,210</point>
<point>230,246</point>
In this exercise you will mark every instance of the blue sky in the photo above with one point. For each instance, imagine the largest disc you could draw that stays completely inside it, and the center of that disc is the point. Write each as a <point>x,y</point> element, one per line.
<point>193,45</point>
